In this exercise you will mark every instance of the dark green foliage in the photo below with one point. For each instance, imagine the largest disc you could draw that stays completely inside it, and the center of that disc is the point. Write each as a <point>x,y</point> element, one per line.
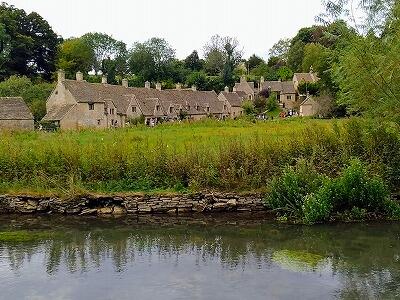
<point>193,62</point>
<point>35,95</point>
<point>303,194</point>
<point>29,45</point>
<point>289,191</point>
<point>310,88</point>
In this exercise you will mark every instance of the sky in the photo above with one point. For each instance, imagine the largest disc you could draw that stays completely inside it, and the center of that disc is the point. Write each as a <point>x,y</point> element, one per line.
<point>186,24</point>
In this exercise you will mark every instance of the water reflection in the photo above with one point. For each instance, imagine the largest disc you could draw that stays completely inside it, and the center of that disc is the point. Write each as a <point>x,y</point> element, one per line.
<point>210,259</point>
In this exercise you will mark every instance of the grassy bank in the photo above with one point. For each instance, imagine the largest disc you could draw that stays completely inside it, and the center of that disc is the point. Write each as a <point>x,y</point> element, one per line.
<point>234,156</point>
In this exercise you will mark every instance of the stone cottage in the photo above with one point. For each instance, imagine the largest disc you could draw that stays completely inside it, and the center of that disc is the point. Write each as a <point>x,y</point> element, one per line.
<point>246,87</point>
<point>285,90</point>
<point>77,103</point>
<point>300,78</point>
<point>232,102</point>
<point>15,114</point>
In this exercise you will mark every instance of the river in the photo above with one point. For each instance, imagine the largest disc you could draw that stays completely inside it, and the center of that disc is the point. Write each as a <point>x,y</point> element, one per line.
<point>231,257</point>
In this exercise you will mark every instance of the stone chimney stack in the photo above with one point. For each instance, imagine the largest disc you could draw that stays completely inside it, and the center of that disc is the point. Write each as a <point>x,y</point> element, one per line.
<point>79,76</point>
<point>104,79</point>
<point>262,79</point>
<point>227,89</point>
<point>158,86</point>
<point>243,79</point>
<point>234,90</point>
<point>194,88</point>
<point>125,82</point>
<point>147,85</point>
<point>178,86</point>
<point>60,76</point>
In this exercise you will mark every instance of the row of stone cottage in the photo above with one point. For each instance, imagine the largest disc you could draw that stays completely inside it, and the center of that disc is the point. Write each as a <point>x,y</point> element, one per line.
<point>77,103</point>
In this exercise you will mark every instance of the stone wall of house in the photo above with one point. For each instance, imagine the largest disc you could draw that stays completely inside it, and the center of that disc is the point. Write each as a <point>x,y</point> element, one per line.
<point>138,204</point>
<point>17,124</point>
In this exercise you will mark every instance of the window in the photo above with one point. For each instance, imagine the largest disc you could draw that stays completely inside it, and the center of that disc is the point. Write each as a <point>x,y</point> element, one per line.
<point>91,106</point>
<point>171,109</point>
<point>289,97</point>
<point>111,111</point>
<point>98,122</point>
<point>157,107</point>
<point>208,109</point>
<point>224,107</point>
<point>134,109</point>
<point>188,108</point>
<point>56,92</point>
<point>197,107</point>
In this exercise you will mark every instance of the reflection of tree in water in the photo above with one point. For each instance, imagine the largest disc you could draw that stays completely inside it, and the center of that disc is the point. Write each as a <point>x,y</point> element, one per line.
<point>364,258</point>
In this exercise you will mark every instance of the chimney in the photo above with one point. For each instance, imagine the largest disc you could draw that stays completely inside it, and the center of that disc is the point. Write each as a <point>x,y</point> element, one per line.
<point>227,89</point>
<point>104,79</point>
<point>243,79</point>
<point>158,86</point>
<point>60,76</point>
<point>234,90</point>
<point>147,84</point>
<point>79,76</point>
<point>125,82</point>
<point>178,86</point>
<point>194,88</point>
<point>262,79</point>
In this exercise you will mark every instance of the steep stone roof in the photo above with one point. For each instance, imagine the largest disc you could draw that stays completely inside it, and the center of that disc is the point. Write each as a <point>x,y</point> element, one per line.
<point>195,101</point>
<point>288,87</point>
<point>57,113</point>
<point>306,77</point>
<point>14,108</point>
<point>233,98</point>
<point>275,86</point>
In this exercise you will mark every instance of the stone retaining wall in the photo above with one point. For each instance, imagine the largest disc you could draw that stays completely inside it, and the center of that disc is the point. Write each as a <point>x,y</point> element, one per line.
<point>144,204</point>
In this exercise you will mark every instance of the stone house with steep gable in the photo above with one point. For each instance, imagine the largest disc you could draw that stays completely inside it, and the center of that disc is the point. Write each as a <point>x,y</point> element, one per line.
<point>232,102</point>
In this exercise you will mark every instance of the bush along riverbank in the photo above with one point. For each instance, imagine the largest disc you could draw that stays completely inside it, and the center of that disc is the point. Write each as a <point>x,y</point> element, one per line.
<point>303,195</point>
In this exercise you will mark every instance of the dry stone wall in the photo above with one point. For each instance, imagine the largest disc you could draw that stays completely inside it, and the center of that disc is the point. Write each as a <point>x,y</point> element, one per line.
<point>139,204</point>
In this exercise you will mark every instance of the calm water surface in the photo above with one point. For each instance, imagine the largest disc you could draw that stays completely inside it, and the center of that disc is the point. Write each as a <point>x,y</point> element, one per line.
<point>156,258</point>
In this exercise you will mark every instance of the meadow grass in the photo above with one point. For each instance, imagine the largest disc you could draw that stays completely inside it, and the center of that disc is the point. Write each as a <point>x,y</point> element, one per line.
<point>207,155</point>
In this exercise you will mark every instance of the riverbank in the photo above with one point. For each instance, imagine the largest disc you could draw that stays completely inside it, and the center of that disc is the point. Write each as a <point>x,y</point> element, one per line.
<point>133,204</point>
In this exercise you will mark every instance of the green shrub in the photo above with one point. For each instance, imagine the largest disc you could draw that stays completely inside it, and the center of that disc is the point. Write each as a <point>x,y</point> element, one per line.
<point>316,209</point>
<point>288,192</point>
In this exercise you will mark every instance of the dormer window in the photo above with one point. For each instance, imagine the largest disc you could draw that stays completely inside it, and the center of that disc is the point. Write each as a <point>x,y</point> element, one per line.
<point>157,107</point>
<point>208,109</point>
<point>134,109</point>
<point>111,111</point>
<point>188,107</point>
<point>224,107</point>
<point>171,110</point>
<point>91,106</point>
<point>197,107</point>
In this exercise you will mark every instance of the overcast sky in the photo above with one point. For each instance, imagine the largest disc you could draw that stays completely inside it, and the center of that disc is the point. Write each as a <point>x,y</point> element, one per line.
<point>185,24</point>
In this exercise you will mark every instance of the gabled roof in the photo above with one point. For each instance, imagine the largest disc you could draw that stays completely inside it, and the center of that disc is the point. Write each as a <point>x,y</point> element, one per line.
<point>121,97</point>
<point>306,77</point>
<point>14,108</point>
<point>233,98</point>
<point>275,86</point>
<point>288,87</point>
<point>57,113</point>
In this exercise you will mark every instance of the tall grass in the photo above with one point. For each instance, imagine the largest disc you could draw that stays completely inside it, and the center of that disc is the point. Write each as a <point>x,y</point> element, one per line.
<point>234,156</point>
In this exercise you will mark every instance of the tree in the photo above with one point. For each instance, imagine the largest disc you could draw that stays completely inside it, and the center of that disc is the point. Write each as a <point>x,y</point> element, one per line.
<point>106,48</point>
<point>28,44</point>
<point>254,61</point>
<point>151,59</point>
<point>193,62</point>
<point>75,55</point>
<point>199,79</point>
<point>280,49</point>
<point>222,56</point>
<point>285,73</point>
<point>35,95</point>
<point>296,55</point>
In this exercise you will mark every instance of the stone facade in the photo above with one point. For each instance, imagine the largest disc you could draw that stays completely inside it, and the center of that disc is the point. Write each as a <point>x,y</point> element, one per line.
<point>136,204</point>
<point>15,114</point>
